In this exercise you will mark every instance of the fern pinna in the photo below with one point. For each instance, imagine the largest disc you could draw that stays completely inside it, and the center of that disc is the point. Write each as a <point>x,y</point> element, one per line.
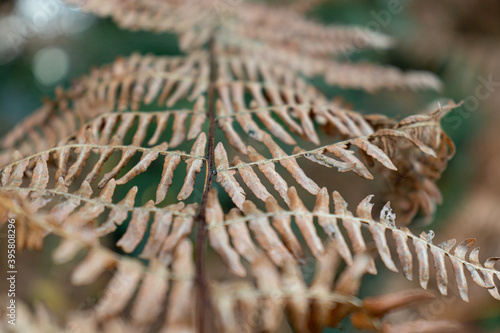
<point>237,118</point>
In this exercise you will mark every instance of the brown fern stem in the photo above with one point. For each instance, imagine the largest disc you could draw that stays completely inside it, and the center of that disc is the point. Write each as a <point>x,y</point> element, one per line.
<point>203,301</point>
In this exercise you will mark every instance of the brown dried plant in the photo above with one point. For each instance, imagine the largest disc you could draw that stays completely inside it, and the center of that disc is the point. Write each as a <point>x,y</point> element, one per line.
<point>69,170</point>
<point>468,44</point>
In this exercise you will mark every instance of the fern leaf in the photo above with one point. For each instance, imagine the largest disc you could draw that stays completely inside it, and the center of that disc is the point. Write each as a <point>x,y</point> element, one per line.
<point>481,274</point>
<point>84,164</point>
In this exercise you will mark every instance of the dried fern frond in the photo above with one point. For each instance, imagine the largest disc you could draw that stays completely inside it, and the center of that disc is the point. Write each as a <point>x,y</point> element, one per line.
<point>259,223</point>
<point>304,46</point>
<point>238,305</point>
<point>324,303</point>
<point>129,275</point>
<point>141,79</point>
<point>95,159</point>
<point>74,207</point>
<point>123,86</point>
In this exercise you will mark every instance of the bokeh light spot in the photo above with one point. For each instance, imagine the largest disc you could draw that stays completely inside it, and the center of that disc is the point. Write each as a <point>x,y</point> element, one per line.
<point>50,65</point>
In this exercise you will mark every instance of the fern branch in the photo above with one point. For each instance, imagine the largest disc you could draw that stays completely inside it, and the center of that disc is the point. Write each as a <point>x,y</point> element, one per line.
<point>203,301</point>
<point>483,275</point>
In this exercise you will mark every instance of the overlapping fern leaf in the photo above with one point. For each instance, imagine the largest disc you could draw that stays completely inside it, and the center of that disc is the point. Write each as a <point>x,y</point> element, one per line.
<point>235,118</point>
